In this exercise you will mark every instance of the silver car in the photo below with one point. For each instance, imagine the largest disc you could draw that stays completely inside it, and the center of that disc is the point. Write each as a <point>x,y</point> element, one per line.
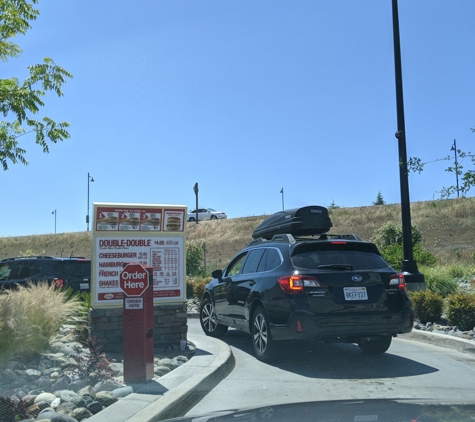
<point>206,214</point>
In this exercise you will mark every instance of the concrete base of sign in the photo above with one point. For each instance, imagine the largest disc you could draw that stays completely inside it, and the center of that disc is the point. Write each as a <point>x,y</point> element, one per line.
<point>170,326</point>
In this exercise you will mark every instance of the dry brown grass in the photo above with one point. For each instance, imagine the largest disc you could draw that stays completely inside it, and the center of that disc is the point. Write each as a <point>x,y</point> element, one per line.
<point>447,228</point>
<point>62,244</point>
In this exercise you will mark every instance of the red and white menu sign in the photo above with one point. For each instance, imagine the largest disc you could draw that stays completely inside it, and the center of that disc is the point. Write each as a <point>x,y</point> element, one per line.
<point>151,236</point>
<point>138,219</point>
<point>162,254</point>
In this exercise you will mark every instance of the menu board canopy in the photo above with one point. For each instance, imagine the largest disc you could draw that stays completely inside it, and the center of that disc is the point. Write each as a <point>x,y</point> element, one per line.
<point>152,235</point>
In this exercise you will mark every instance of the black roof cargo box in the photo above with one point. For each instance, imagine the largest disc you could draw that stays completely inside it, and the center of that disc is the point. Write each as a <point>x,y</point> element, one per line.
<point>303,221</point>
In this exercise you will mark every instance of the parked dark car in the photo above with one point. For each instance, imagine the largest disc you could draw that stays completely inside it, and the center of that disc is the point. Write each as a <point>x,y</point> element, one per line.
<point>74,272</point>
<point>288,286</point>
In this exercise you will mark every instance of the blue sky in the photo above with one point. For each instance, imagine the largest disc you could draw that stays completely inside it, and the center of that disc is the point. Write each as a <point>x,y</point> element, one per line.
<point>245,98</point>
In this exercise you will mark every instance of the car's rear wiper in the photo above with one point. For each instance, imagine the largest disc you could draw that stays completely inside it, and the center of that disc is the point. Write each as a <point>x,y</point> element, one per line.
<point>336,267</point>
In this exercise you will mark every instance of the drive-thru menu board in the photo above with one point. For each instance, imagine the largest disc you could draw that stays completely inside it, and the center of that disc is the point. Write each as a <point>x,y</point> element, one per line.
<point>153,235</point>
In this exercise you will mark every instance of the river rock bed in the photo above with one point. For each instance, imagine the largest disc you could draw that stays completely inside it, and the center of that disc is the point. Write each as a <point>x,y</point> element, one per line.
<point>441,327</point>
<point>58,386</point>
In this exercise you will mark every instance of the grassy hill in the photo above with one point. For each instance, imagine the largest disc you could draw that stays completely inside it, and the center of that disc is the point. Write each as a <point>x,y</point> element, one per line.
<point>447,228</point>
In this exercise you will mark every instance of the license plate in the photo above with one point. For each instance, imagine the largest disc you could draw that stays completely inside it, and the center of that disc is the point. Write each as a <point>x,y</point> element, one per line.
<point>355,293</point>
<point>84,286</point>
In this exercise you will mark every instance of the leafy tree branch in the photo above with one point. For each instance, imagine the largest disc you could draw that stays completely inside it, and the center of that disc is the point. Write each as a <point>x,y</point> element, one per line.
<point>21,102</point>
<point>467,180</point>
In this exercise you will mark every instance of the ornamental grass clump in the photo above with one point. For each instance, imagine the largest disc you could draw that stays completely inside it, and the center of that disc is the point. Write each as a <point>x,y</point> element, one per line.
<point>30,316</point>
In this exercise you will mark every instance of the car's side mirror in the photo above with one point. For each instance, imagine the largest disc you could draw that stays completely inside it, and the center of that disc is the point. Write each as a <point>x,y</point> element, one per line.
<point>217,274</point>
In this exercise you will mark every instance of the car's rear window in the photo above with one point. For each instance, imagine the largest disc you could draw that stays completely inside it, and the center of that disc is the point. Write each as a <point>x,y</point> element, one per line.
<point>80,269</point>
<point>357,255</point>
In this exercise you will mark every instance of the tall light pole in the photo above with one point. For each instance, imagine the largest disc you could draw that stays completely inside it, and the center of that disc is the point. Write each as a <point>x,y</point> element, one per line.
<point>54,212</point>
<point>196,190</point>
<point>89,179</point>
<point>415,280</point>
<point>282,192</point>
<point>454,149</point>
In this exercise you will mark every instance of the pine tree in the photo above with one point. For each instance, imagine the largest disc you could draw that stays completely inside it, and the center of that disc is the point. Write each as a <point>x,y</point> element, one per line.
<point>379,199</point>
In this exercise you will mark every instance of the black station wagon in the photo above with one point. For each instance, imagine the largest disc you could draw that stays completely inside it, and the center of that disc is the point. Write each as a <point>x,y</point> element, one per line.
<point>289,284</point>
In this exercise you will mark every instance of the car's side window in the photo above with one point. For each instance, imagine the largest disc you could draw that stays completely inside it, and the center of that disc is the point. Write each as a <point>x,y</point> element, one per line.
<point>27,269</point>
<point>273,259</point>
<point>252,262</point>
<point>235,267</point>
<point>5,270</point>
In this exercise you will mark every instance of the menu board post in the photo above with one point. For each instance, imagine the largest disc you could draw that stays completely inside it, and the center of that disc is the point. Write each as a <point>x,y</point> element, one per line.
<point>135,281</point>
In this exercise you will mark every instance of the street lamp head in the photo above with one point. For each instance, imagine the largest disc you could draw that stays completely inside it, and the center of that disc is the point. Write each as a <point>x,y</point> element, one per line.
<point>399,134</point>
<point>92,179</point>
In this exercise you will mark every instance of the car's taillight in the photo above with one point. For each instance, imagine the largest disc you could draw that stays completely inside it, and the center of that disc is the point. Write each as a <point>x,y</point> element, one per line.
<point>59,283</point>
<point>295,284</point>
<point>398,280</point>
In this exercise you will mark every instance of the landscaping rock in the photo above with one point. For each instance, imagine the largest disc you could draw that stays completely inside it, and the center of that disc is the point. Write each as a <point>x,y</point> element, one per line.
<point>80,413</point>
<point>106,398</point>
<point>45,397</point>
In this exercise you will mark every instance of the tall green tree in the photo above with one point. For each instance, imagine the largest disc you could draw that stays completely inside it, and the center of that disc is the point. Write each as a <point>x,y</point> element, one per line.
<point>379,199</point>
<point>21,101</point>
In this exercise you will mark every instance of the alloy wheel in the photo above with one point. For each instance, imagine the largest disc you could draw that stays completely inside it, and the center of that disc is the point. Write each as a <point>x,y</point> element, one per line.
<point>260,333</point>
<point>208,317</point>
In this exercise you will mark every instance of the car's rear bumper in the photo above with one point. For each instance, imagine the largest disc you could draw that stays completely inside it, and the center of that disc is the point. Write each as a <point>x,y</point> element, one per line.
<point>305,326</point>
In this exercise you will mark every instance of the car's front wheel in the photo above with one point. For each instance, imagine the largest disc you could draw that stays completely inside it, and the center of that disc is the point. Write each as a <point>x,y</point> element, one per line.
<point>191,219</point>
<point>262,341</point>
<point>208,320</point>
<point>213,217</point>
<point>375,346</point>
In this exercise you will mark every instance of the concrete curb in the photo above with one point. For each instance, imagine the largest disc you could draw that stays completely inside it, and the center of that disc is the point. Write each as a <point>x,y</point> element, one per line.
<point>176,393</point>
<point>443,340</point>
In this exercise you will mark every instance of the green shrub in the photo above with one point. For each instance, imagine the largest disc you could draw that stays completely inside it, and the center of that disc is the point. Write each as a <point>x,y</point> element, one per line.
<point>461,310</point>
<point>194,259</point>
<point>189,287</point>
<point>391,234</point>
<point>394,254</point>
<point>200,287</point>
<point>195,287</point>
<point>423,257</point>
<point>427,305</point>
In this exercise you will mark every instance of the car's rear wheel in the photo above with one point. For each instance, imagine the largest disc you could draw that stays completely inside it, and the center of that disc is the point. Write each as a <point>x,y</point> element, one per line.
<point>208,320</point>
<point>375,346</point>
<point>191,219</point>
<point>262,342</point>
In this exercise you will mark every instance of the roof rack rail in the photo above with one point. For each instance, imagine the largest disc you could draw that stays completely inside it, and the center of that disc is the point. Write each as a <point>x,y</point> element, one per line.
<point>28,257</point>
